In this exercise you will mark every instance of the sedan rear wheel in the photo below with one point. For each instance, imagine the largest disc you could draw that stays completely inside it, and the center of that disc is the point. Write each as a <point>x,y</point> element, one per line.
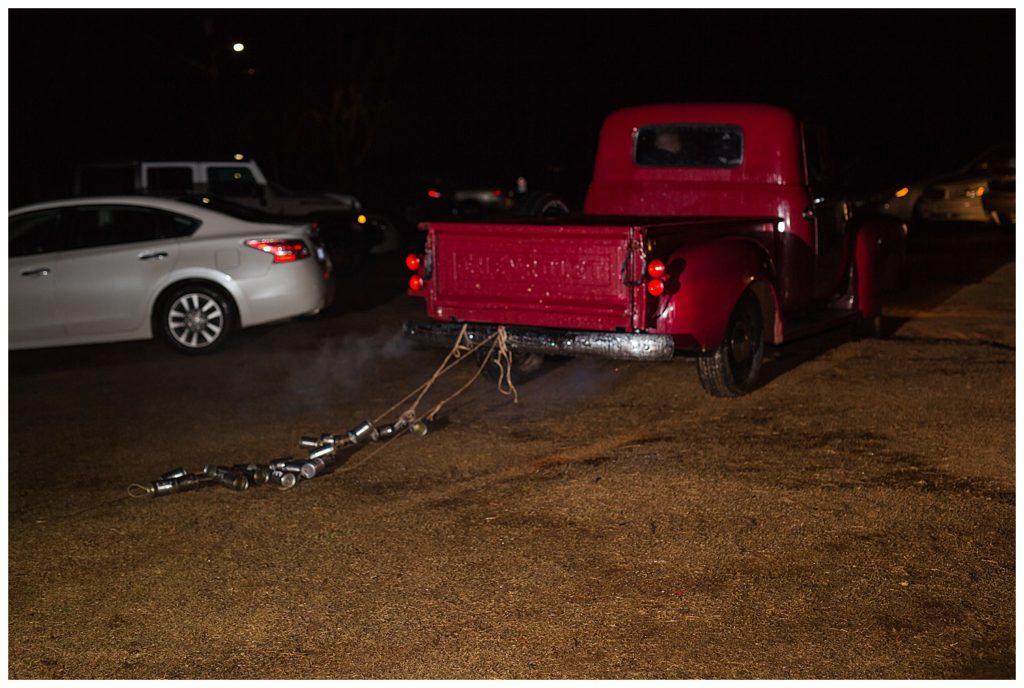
<point>195,319</point>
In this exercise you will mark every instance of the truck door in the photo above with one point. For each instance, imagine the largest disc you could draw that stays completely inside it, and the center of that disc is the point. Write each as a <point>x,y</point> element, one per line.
<point>829,213</point>
<point>831,216</point>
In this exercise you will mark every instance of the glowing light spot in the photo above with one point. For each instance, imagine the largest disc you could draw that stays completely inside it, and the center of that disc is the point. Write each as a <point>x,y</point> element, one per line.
<point>239,156</point>
<point>902,192</point>
<point>238,47</point>
<point>361,219</point>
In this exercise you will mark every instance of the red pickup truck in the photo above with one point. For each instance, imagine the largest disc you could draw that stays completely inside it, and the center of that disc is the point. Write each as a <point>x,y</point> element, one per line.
<point>708,229</point>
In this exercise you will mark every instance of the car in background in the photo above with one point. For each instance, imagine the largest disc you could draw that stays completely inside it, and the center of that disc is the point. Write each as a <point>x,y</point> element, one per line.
<point>446,198</point>
<point>239,181</point>
<point>435,198</point>
<point>1001,200</point>
<point>956,197</point>
<point>189,271</point>
<point>897,202</point>
<point>349,230</point>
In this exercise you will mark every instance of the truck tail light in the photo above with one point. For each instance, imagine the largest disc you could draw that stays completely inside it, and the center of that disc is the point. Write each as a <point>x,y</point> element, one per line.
<point>656,287</point>
<point>415,282</point>
<point>283,250</point>
<point>656,268</point>
<point>413,262</point>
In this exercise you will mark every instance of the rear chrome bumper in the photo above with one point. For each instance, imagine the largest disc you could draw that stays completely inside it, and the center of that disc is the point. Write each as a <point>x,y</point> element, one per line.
<point>620,346</point>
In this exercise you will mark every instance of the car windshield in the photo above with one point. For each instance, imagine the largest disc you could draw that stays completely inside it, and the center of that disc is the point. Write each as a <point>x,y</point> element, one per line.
<point>1001,159</point>
<point>235,210</point>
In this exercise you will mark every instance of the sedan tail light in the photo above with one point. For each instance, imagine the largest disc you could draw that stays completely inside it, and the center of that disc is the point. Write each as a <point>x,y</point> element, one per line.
<point>283,250</point>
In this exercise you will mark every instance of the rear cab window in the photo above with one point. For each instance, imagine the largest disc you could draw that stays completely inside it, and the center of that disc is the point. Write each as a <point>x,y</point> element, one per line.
<point>689,145</point>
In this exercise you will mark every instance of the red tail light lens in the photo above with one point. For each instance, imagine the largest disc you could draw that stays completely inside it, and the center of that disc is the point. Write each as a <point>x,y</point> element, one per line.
<point>656,287</point>
<point>415,282</point>
<point>655,268</point>
<point>283,250</point>
<point>413,262</point>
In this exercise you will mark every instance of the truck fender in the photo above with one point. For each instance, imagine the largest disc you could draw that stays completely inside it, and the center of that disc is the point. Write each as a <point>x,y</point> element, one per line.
<point>713,277</point>
<point>879,259</point>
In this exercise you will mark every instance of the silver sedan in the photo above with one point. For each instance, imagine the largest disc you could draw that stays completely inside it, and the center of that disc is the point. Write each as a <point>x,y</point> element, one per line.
<point>189,271</point>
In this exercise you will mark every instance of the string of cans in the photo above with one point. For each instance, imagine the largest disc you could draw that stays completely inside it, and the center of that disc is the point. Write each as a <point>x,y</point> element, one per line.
<point>282,473</point>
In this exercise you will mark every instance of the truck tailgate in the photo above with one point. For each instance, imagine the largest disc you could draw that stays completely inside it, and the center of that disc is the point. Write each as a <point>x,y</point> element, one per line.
<point>544,275</point>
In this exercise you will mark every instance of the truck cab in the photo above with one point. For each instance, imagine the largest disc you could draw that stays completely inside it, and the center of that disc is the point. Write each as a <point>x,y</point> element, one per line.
<point>730,161</point>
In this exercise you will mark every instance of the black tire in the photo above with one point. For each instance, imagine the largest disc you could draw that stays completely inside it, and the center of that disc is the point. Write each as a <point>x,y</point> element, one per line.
<point>539,204</point>
<point>732,369</point>
<point>195,319</point>
<point>525,366</point>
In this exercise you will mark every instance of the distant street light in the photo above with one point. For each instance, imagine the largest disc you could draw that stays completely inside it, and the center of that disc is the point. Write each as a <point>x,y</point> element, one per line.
<point>238,47</point>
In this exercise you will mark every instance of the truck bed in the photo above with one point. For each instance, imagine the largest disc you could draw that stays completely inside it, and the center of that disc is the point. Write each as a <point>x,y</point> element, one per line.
<point>574,272</point>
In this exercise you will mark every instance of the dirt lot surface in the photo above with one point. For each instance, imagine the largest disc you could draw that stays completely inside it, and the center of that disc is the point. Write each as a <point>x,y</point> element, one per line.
<point>853,518</point>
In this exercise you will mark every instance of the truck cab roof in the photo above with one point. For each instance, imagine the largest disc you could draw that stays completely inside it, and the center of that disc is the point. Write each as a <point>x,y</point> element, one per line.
<point>765,137</point>
<point>666,159</point>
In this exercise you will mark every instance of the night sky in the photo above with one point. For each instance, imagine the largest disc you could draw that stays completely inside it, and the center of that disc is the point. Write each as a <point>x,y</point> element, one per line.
<point>367,101</point>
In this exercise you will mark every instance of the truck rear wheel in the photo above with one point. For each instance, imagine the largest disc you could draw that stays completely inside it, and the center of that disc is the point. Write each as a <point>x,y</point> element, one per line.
<point>732,369</point>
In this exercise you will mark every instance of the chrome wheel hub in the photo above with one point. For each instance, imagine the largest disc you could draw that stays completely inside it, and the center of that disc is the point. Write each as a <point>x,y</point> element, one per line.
<point>195,320</point>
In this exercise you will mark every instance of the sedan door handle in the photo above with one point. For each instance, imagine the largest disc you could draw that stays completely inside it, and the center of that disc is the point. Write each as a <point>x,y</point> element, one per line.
<point>159,255</point>
<point>41,272</point>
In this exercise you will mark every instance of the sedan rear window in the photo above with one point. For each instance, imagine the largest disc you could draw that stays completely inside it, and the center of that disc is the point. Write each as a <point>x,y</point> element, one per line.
<point>689,145</point>
<point>109,225</point>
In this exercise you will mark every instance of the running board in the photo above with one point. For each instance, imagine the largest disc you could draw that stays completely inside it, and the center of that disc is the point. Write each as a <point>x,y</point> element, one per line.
<point>807,326</point>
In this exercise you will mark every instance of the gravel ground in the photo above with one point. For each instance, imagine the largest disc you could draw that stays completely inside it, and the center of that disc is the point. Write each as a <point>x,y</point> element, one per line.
<point>853,518</point>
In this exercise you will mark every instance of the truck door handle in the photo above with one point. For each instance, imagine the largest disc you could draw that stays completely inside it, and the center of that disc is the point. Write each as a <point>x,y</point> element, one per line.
<point>159,255</point>
<point>41,272</point>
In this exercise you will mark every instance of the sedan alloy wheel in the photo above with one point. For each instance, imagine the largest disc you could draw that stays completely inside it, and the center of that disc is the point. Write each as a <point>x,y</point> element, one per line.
<point>196,319</point>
